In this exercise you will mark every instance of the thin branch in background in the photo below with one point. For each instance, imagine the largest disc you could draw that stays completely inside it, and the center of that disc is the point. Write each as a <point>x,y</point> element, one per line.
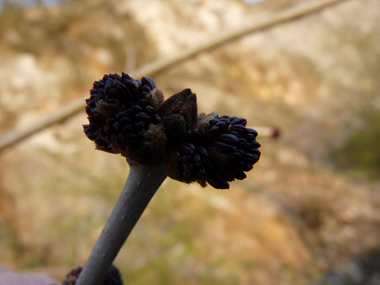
<point>271,131</point>
<point>76,105</point>
<point>260,24</point>
<point>19,134</point>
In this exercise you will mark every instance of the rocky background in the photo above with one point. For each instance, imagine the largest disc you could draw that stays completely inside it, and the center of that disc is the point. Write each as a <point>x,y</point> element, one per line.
<point>308,213</point>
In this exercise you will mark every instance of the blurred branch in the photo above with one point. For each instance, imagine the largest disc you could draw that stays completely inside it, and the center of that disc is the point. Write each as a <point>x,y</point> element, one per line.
<point>268,21</point>
<point>160,65</point>
<point>272,131</point>
<point>18,134</point>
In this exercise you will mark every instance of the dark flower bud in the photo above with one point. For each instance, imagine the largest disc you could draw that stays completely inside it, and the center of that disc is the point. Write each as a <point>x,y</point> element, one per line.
<point>112,277</point>
<point>219,151</point>
<point>233,149</point>
<point>122,114</point>
<point>112,94</point>
<point>189,163</point>
<point>180,114</point>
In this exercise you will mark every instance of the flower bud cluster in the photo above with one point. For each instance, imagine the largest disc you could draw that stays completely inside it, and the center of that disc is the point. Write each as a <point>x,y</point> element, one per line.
<point>122,114</point>
<point>218,151</point>
<point>130,117</point>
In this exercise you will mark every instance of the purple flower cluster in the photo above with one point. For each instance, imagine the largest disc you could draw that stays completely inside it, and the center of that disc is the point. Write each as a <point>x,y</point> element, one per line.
<point>122,114</point>
<point>218,151</point>
<point>130,117</point>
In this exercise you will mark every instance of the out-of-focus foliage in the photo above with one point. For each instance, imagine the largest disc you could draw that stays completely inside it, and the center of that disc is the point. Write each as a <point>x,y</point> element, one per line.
<point>360,151</point>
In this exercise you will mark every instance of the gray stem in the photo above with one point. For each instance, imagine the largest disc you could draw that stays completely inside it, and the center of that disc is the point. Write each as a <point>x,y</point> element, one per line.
<point>141,185</point>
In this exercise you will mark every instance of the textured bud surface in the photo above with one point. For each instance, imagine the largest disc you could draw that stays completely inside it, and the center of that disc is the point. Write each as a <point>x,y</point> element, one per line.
<point>219,151</point>
<point>121,111</point>
<point>180,114</point>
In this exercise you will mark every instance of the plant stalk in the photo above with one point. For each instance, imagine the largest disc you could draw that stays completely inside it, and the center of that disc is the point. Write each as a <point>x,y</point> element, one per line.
<point>141,185</point>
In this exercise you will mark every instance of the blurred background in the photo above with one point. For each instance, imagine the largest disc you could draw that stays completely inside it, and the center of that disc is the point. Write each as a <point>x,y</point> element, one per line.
<point>309,211</point>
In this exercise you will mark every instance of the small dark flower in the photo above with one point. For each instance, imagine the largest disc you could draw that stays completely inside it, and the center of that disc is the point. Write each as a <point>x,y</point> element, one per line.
<point>112,277</point>
<point>180,114</point>
<point>122,114</point>
<point>189,163</point>
<point>218,151</point>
